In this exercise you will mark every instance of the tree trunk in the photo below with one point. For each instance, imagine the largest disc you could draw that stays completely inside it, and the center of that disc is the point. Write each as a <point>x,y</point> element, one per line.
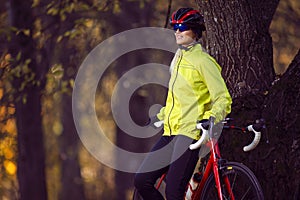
<point>72,184</point>
<point>134,15</point>
<point>238,37</point>
<point>279,160</point>
<point>31,155</point>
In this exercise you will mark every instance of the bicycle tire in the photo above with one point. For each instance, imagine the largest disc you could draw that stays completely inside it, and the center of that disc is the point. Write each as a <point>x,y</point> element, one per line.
<point>244,184</point>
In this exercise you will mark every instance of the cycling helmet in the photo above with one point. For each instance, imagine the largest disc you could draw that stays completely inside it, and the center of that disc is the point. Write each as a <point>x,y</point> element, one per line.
<point>190,17</point>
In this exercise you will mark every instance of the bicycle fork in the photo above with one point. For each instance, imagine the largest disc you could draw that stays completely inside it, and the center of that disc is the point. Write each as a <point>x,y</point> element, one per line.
<point>216,169</point>
<point>217,164</point>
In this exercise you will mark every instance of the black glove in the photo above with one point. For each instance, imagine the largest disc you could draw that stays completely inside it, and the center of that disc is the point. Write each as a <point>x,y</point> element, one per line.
<point>204,123</point>
<point>152,120</point>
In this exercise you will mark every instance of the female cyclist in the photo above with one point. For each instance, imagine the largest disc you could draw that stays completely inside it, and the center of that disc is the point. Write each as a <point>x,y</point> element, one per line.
<point>196,92</point>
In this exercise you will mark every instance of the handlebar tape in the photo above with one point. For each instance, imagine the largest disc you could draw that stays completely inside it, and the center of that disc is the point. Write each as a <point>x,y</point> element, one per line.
<point>254,143</point>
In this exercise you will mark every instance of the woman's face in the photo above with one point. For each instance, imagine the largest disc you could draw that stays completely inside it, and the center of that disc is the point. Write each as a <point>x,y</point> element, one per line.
<point>185,38</point>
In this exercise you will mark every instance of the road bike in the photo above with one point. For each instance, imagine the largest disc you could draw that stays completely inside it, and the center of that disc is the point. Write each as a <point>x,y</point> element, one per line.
<point>216,178</point>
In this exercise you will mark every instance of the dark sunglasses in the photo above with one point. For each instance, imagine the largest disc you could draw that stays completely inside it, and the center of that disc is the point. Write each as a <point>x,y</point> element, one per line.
<point>181,27</point>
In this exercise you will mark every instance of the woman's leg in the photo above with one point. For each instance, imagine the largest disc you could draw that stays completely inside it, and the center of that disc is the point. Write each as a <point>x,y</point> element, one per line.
<point>154,165</point>
<point>181,169</point>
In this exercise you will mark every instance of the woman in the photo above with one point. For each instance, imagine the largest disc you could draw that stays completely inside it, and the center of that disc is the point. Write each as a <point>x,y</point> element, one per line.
<point>196,92</point>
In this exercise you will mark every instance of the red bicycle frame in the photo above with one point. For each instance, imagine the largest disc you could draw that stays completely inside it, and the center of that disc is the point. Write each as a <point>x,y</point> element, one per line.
<point>212,166</point>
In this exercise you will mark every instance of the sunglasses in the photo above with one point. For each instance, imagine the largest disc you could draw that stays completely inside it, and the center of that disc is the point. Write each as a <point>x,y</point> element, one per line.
<point>181,27</point>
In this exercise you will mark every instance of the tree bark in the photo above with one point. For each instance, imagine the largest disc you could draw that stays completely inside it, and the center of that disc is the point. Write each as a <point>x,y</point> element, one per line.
<point>238,37</point>
<point>279,162</point>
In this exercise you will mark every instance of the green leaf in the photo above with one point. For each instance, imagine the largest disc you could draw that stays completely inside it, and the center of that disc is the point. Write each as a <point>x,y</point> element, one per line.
<point>52,11</point>
<point>18,57</point>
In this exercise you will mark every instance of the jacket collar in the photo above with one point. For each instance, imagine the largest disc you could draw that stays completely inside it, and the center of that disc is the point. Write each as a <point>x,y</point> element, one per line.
<point>188,47</point>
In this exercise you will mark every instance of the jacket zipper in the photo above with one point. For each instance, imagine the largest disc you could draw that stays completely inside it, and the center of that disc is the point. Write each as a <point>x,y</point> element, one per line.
<point>173,101</point>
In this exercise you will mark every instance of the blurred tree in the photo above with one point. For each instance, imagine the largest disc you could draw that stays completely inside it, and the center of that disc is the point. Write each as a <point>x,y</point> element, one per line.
<point>285,31</point>
<point>64,63</point>
<point>28,81</point>
<point>135,14</point>
<point>39,27</point>
<point>8,134</point>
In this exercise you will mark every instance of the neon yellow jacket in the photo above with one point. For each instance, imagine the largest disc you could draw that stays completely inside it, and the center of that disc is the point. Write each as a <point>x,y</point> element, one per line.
<point>196,91</point>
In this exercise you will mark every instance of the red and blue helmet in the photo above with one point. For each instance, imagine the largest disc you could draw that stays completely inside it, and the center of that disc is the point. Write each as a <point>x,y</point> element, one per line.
<point>189,17</point>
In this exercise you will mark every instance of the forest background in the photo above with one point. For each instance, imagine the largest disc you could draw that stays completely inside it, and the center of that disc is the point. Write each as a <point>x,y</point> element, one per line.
<point>43,43</point>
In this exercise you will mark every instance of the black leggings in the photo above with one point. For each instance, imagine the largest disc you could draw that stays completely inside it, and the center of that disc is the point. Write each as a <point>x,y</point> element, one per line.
<point>172,155</point>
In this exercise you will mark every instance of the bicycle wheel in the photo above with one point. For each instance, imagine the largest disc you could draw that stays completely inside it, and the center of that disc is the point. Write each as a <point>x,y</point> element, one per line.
<point>244,185</point>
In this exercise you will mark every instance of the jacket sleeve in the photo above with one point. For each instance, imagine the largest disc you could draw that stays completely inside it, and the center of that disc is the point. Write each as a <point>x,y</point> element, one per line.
<point>218,92</point>
<point>161,114</point>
